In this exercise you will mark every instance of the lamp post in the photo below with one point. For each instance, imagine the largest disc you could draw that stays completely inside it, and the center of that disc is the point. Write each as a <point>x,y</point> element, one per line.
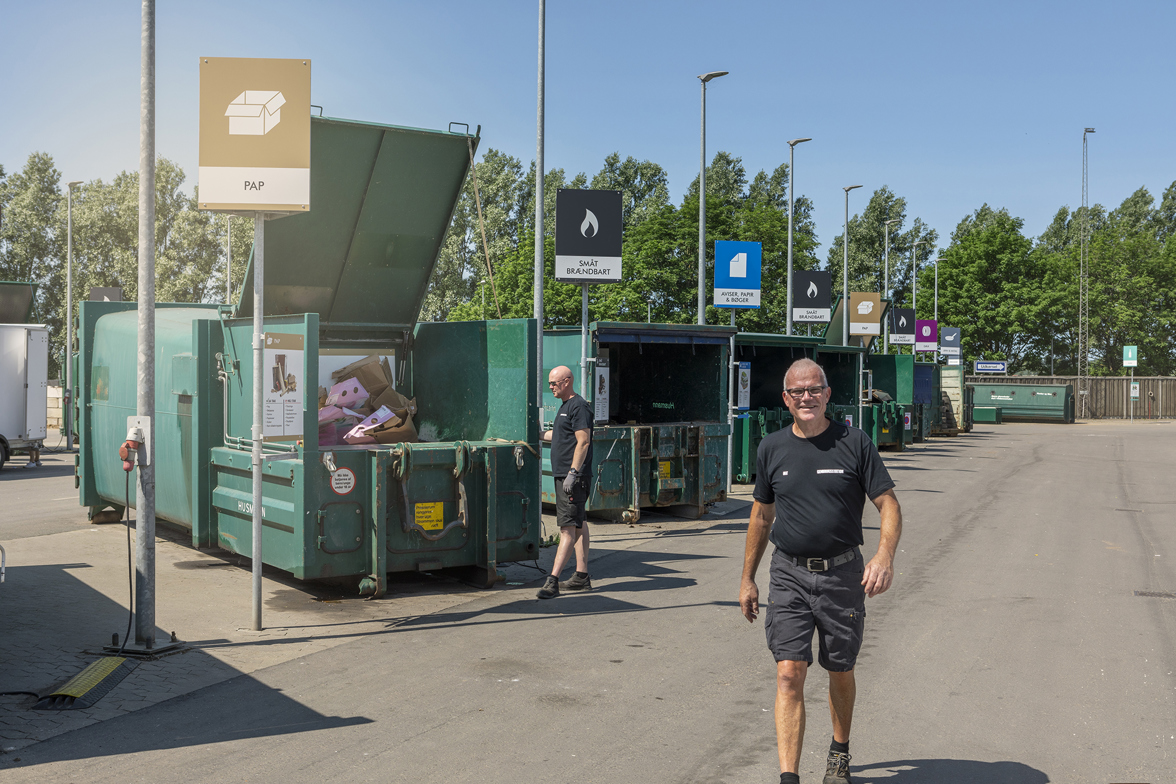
<point>937,287</point>
<point>69,315</point>
<point>540,115</point>
<point>228,259</point>
<point>886,281</point>
<point>845,271</point>
<point>704,78</point>
<point>791,177</point>
<point>914,281</point>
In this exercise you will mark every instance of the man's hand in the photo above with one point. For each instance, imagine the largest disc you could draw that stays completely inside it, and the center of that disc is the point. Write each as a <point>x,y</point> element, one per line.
<point>749,600</point>
<point>878,575</point>
<point>570,481</point>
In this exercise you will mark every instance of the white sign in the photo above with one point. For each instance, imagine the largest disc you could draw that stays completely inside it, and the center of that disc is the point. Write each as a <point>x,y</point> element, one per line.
<point>743,386</point>
<point>1135,390</point>
<point>600,390</point>
<point>906,420</point>
<point>990,366</point>
<point>343,481</point>
<point>849,420</point>
<point>953,360</point>
<point>285,386</point>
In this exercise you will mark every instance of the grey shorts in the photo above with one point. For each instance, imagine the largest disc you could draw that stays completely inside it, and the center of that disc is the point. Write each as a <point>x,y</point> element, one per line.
<point>570,508</point>
<point>831,602</point>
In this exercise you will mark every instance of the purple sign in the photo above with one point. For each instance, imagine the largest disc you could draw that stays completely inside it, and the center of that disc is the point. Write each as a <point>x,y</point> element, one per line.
<point>926,335</point>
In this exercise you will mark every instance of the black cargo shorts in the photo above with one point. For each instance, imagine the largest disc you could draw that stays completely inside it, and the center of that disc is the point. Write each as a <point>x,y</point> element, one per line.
<point>832,602</point>
<point>570,507</point>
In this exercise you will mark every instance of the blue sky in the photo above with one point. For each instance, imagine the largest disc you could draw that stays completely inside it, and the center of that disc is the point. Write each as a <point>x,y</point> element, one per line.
<point>949,104</point>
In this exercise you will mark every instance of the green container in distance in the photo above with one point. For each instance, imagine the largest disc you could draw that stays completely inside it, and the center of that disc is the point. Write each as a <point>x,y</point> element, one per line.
<point>1028,402</point>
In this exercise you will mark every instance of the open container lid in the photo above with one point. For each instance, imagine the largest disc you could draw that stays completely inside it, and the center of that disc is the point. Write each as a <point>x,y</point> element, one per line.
<point>16,302</point>
<point>381,199</point>
<point>641,332</point>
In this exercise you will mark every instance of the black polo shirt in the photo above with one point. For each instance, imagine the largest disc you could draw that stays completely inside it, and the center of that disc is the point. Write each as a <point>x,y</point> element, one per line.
<point>819,486</point>
<point>575,414</point>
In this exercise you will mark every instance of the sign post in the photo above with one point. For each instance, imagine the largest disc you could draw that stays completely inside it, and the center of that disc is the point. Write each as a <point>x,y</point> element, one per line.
<point>737,285</point>
<point>255,160</point>
<point>949,344</point>
<point>1131,360</point>
<point>926,336</point>
<point>902,327</point>
<point>813,300</point>
<point>588,241</point>
<point>990,366</point>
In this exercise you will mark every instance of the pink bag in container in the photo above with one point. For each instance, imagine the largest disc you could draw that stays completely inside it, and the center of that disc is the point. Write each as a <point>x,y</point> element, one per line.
<point>347,394</point>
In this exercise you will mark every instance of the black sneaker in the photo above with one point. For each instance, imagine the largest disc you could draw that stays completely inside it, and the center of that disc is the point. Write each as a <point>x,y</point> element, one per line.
<point>577,584</point>
<point>550,588</point>
<point>837,768</point>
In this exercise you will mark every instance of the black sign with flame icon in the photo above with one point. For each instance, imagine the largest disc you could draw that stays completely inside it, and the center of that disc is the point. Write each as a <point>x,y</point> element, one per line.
<point>588,236</point>
<point>811,290</point>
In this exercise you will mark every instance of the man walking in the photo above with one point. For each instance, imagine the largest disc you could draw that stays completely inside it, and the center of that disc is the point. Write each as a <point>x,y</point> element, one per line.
<point>812,480</point>
<point>571,465</point>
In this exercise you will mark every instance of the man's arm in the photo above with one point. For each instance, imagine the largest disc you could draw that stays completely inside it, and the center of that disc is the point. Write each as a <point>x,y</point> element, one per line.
<point>758,528</point>
<point>879,572</point>
<point>547,436</point>
<point>583,441</point>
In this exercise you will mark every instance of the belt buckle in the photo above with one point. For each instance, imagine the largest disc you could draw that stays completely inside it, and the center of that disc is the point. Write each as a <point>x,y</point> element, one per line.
<point>820,564</point>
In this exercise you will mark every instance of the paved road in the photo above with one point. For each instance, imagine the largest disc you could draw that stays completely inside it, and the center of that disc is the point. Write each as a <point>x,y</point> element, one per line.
<point>39,501</point>
<point>1012,649</point>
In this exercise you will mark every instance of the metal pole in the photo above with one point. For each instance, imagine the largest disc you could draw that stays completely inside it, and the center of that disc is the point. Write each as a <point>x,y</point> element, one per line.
<point>914,285</point>
<point>648,312</point>
<point>68,412</point>
<point>845,273</point>
<point>584,340</point>
<point>541,381</point>
<point>228,259</point>
<point>702,217</point>
<point>1131,398</point>
<point>145,361</point>
<point>258,403</point>
<point>791,178</point>
<point>886,283</point>
<point>860,390</point>
<point>731,369</point>
<point>937,289</point>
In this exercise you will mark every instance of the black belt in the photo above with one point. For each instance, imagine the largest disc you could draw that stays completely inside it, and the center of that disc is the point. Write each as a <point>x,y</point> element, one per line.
<point>822,564</point>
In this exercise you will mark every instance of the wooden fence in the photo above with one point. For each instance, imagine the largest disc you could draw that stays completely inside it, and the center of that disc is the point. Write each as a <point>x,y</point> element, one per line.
<point>1110,396</point>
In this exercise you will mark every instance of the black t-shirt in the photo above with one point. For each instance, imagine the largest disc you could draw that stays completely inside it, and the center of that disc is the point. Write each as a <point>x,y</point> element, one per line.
<point>819,486</point>
<point>575,414</point>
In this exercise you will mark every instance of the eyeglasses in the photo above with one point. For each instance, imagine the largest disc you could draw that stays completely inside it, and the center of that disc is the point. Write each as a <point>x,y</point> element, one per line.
<point>556,383</point>
<point>798,393</point>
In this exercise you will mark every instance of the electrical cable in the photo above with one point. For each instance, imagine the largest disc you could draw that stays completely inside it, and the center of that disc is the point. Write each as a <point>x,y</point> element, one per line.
<point>130,566</point>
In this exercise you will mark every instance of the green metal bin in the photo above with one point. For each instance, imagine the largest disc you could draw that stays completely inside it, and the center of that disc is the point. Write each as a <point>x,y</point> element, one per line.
<point>662,443</point>
<point>343,281</point>
<point>1028,402</point>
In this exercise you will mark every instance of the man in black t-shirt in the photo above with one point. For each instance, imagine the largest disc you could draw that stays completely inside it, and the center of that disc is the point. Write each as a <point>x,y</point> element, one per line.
<point>571,466</point>
<point>812,481</point>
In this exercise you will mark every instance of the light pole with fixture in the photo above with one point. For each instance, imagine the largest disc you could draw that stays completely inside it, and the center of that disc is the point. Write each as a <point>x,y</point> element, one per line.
<point>937,287</point>
<point>704,78</point>
<point>791,177</point>
<point>845,271</point>
<point>914,282</point>
<point>886,281</point>
<point>69,315</point>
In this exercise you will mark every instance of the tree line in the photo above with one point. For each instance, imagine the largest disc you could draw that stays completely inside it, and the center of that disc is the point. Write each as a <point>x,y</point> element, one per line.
<point>1014,296</point>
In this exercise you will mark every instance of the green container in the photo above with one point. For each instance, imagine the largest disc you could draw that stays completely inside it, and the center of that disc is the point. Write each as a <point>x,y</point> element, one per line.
<point>769,356</point>
<point>343,281</point>
<point>1028,402</point>
<point>663,442</point>
<point>991,415</point>
<point>894,374</point>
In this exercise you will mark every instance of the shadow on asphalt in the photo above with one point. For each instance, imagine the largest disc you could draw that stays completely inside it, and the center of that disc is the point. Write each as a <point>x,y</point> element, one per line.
<point>14,470</point>
<point>940,771</point>
<point>233,710</point>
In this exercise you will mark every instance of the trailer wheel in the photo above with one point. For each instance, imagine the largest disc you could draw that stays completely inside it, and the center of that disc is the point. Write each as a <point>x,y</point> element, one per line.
<point>3,454</point>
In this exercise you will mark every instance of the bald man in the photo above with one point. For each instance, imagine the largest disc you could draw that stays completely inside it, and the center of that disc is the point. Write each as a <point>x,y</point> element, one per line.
<point>571,465</point>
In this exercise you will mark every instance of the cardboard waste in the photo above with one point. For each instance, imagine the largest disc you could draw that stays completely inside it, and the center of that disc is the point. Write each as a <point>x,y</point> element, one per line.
<point>363,407</point>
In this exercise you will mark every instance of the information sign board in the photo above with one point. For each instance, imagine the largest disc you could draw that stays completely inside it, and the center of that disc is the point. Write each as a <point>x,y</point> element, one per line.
<point>743,392</point>
<point>587,236</point>
<point>949,341</point>
<point>926,335</point>
<point>865,313</point>
<point>737,274</point>
<point>812,300</point>
<point>1130,356</point>
<point>990,366</point>
<point>902,326</point>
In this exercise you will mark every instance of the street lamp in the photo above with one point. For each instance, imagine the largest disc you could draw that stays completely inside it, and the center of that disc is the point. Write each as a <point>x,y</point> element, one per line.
<point>704,78</point>
<point>791,177</point>
<point>886,281</point>
<point>845,271</point>
<point>914,281</point>
<point>69,186</point>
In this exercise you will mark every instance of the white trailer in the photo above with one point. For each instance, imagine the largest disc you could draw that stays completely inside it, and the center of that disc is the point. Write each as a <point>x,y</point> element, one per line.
<point>24,384</point>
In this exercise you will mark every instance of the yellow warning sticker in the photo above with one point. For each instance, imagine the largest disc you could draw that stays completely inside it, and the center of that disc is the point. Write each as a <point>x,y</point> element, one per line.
<point>431,515</point>
<point>663,469</point>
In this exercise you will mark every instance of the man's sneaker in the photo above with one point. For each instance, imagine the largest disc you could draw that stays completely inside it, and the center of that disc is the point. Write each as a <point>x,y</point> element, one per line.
<point>577,584</point>
<point>550,588</point>
<point>837,768</point>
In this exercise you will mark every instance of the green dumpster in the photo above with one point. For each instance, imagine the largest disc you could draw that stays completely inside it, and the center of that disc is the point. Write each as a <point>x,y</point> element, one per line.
<point>769,357</point>
<point>1028,402</point>
<point>894,374</point>
<point>662,442</point>
<point>991,415</point>
<point>343,282</point>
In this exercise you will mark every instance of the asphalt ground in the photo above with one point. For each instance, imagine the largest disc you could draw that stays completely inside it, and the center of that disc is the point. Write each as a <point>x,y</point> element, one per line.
<point>1014,647</point>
